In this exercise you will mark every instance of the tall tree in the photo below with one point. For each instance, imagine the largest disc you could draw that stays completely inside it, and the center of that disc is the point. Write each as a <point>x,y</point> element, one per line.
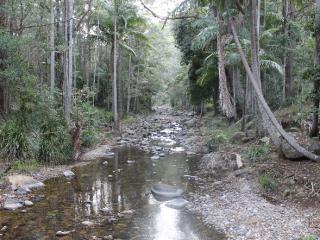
<point>115,61</point>
<point>68,59</point>
<point>316,82</point>
<point>52,46</point>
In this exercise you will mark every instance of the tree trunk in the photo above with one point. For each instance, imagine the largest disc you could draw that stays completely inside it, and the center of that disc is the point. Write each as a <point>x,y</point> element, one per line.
<point>316,82</point>
<point>225,100</point>
<point>287,57</point>
<point>264,106</point>
<point>68,59</point>
<point>52,50</point>
<point>4,88</point>
<point>129,85</point>
<point>114,86</point>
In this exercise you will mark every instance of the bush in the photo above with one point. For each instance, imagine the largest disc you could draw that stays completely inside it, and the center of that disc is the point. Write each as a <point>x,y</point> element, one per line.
<point>309,238</point>
<point>257,151</point>
<point>14,142</point>
<point>92,119</point>
<point>55,145</point>
<point>267,183</point>
<point>26,166</point>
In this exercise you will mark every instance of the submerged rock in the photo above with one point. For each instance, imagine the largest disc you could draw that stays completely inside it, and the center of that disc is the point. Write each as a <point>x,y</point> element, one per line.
<point>177,203</point>
<point>12,204</point>
<point>164,192</point>
<point>155,157</point>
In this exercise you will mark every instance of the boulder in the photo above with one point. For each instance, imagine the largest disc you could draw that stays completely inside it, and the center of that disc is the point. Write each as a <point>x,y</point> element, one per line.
<point>23,182</point>
<point>288,152</point>
<point>177,203</point>
<point>237,137</point>
<point>12,204</point>
<point>164,192</point>
<point>224,161</point>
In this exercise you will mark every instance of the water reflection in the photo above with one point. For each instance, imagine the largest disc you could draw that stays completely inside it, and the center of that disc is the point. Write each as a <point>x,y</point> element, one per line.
<point>67,204</point>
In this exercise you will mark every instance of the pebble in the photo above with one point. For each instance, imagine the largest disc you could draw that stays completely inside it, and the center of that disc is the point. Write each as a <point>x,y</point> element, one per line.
<point>87,223</point>
<point>63,233</point>
<point>68,173</point>
<point>109,237</point>
<point>28,203</point>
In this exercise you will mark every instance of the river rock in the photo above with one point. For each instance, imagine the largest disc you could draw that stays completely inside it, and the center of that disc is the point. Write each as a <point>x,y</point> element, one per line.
<point>87,223</point>
<point>288,152</point>
<point>63,233</point>
<point>237,137</point>
<point>109,237</point>
<point>178,149</point>
<point>12,204</point>
<point>155,157</point>
<point>218,161</point>
<point>177,203</point>
<point>164,192</point>
<point>24,182</point>
<point>28,203</point>
<point>68,174</point>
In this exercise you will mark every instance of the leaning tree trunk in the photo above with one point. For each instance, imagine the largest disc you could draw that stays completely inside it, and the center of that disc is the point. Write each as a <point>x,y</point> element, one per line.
<point>316,82</point>
<point>264,106</point>
<point>225,100</point>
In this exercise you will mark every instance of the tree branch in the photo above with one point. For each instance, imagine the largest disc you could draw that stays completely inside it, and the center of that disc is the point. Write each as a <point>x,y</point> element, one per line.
<point>240,8</point>
<point>168,17</point>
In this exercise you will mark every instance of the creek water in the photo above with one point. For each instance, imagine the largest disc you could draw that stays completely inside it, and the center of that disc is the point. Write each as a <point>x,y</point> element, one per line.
<point>67,203</point>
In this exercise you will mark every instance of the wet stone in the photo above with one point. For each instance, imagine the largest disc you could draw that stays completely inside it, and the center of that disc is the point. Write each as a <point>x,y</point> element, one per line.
<point>12,204</point>
<point>68,174</point>
<point>28,203</point>
<point>177,203</point>
<point>163,192</point>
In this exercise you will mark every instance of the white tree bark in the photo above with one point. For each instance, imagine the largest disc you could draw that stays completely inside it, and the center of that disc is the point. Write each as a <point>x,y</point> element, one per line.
<point>68,59</point>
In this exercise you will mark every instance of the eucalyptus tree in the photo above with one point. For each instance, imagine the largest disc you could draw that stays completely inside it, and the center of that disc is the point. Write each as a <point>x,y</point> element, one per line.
<point>316,82</point>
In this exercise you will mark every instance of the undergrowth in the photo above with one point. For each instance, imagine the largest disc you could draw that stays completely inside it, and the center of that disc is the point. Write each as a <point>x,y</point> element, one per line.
<point>267,183</point>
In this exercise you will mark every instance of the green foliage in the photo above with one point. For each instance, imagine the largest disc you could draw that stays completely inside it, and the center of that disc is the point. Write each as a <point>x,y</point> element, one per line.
<point>92,119</point>
<point>308,238</point>
<point>267,183</point>
<point>14,142</point>
<point>255,152</point>
<point>25,166</point>
<point>55,145</point>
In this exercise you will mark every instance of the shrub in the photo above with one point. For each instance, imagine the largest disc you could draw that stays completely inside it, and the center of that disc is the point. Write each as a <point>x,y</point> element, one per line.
<point>55,143</point>
<point>25,166</point>
<point>267,183</point>
<point>309,238</point>
<point>257,151</point>
<point>14,142</point>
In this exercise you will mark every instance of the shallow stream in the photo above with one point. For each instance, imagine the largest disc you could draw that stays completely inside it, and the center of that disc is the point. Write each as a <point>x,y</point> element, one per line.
<point>122,185</point>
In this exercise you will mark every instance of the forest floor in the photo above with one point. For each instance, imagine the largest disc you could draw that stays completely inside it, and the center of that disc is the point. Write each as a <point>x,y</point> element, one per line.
<point>266,198</point>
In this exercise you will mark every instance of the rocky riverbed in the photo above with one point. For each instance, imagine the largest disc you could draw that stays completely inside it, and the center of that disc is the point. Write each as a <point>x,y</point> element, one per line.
<point>224,193</point>
<point>230,199</point>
